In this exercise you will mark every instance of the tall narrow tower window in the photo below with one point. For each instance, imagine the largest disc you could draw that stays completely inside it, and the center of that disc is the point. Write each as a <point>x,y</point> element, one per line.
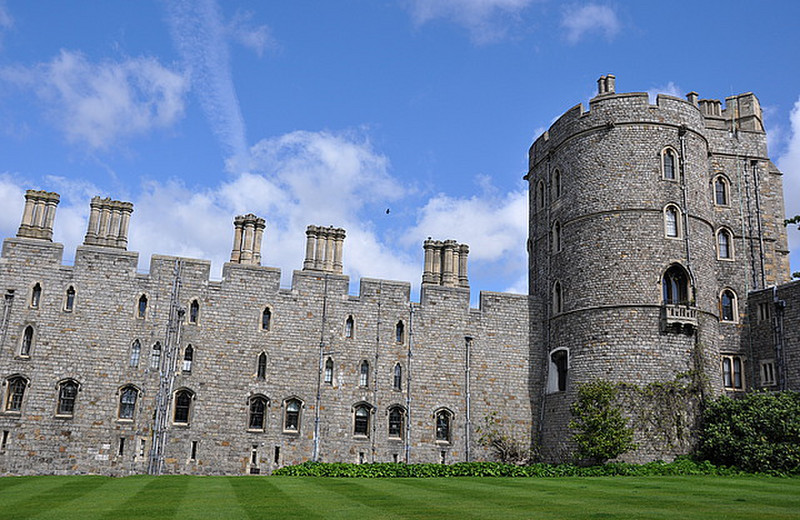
<point>397,377</point>
<point>720,191</point>
<point>67,392</point>
<point>668,164</point>
<point>261,368</point>
<point>727,305</point>
<point>672,228</point>
<point>141,310</point>
<point>36,296</point>
<point>675,285</point>
<point>69,300</point>
<point>363,373</point>
<point>724,249</point>
<point>266,319</point>
<point>399,332</point>
<point>194,311</point>
<point>188,357</point>
<point>349,327</point>
<point>136,352</point>
<point>155,356</point>
<point>328,371</point>
<point>558,298</point>
<point>27,342</point>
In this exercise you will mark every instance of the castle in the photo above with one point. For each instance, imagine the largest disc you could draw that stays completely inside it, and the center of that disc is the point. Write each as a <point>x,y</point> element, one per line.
<point>656,249</point>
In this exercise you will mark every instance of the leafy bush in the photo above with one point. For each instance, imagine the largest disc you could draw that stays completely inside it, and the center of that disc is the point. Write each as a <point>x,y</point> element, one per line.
<point>496,469</point>
<point>602,432</point>
<point>758,433</point>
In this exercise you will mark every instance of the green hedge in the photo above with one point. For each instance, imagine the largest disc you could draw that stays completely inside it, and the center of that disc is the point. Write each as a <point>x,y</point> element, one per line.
<point>496,469</point>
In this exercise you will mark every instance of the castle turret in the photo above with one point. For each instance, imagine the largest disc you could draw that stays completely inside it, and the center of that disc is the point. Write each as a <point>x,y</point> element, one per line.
<point>38,215</point>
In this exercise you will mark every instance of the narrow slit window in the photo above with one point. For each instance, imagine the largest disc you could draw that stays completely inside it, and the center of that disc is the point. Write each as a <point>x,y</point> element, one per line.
<point>266,319</point>
<point>443,419</point>
<point>363,373</point>
<point>671,223</point>
<point>669,164</point>
<point>36,296</point>
<point>155,356</point>
<point>399,332</point>
<point>69,300</point>
<point>194,312</point>
<point>397,377</point>
<point>720,192</point>
<point>261,370</point>
<point>136,352</point>
<point>188,358</point>
<point>141,310</point>
<point>728,306</point>
<point>27,342</point>
<point>328,371</point>
<point>349,327</point>
<point>724,244</point>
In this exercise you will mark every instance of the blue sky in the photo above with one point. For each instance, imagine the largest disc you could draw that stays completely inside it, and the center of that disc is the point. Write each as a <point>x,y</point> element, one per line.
<point>331,112</point>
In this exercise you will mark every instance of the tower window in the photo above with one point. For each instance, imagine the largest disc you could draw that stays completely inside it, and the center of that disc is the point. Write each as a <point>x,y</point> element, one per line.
<point>261,368</point>
<point>559,369</point>
<point>541,189</point>
<point>668,160</point>
<point>675,285</point>
<point>363,373</point>
<point>732,374</point>
<point>69,300</point>
<point>556,184</point>
<point>258,415</point>
<point>724,245</point>
<point>727,305</point>
<point>672,226</point>
<point>396,422</point>
<point>36,296</point>
<point>720,191</point>
<point>556,236</point>
<point>155,356</point>
<point>183,406</point>
<point>188,357</point>
<point>558,298</point>
<point>136,352</point>
<point>27,342</point>
<point>397,377</point>
<point>15,393</point>
<point>67,392</point>
<point>768,373</point>
<point>443,419</point>
<point>328,377</point>
<point>349,327</point>
<point>141,310</point>
<point>194,311</point>
<point>127,402</point>
<point>291,419</point>
<point>361,420</point>
<point>399,332</point>
<point>266,319</point>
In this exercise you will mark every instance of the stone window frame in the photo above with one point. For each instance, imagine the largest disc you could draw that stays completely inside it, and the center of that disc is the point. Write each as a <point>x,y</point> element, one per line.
<point>391,421</point>
<point>8,396</point>
<point>328,371</point>
<point>671,206</point>
<point>555,382</point>
<point>121,392</point>
<point>734,306</point>
<point>292,425</point>
<point>557,303</point>
<point>350,327</point>
<point>262,364</point>
<point>139,312</point>
<point>154,363</point>
<point>556,185</point>
<point>265,321</point>
<point>64,408</point>
<point>69,302</point>
<point>729,234</point>
<point>726,183</point>
<point>443,437</point>
<point>193,312</point>
<point>192,396</point>
<point>669,150</point>
<point>358,420</point>
<point>27,342</point>
<point>556,236</point>
<point>765,311</point>
<point>729,375</point>
<point>35,295</point>
<point>669,284</point>
<point>251,401</point>
<point>135,354</point>
<point>768,370</point>
<point>187,360</point>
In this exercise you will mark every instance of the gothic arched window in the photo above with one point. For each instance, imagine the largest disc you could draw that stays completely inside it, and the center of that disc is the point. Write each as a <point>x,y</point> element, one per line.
<point>183,406</point>
<point>675,285</point>
<point>127,402</point>
<point>67,393</point>
<point>396,415</point>
<point>258,413</point>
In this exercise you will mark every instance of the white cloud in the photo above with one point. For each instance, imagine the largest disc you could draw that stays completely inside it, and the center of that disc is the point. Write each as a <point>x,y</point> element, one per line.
<point>579,21</point>
<point>200,36</point>
<point>789,163</point>
<point>6,21</point>
<point>256,38</point>
<point>12,201</point>
<point>486,20</point>
<point>98,104</point>
<point>671,89</point>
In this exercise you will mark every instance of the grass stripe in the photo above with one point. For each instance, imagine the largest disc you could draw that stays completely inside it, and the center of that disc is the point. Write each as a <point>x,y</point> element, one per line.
<point>160,497</point>
<point>53,493</point>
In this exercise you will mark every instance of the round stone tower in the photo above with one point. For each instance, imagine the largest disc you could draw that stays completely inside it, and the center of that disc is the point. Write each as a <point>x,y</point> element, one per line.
<point>624,247</point>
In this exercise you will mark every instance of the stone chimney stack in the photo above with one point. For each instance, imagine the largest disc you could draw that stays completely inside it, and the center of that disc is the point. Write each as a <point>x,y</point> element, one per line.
<point>606,85</point>
<point>691,97</point>
<point>445,263</point>
<point>247,235</point>
<point>108,223</point>
<point>324,249</point>
<point>38,215</point>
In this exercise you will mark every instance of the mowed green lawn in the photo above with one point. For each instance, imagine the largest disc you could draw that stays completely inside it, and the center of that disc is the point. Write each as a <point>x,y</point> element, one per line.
<point>306,498</point>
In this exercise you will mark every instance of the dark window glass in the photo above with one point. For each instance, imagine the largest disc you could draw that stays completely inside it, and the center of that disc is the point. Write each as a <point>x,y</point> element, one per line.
<point>443,426</point>
<point>399,332</point>
<point>183,403</point>
<point>363,374</point>
<point>67,393</point>
<point>720,192</point>
<point>397,380</point>
<point>669,165</point>
<point>292,420</point>
<point>27,342</point>
<point>16,391</point>
<point>155,356</point>
<point>560,359</point>
<point>266,319</point>
<point>329,371</point>
<point>675,286</point>
<point>69,303</point>
<point>258,407</point>
<point>261,372</point>
<point>36,296</point>
<point>136,352</point>
<point>188,357</point>
<point>361,423</point>
<point>396,422</point>
<point>724,243</point>
<point>127,402</point>
<point>349,326</point>
<point>194,311</point>
<point>142,309</point>
<point>727,306</point>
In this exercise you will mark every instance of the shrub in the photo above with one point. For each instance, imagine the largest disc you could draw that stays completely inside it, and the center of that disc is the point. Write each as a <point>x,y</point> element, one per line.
<point>760,432</point>
<point>602,432</point>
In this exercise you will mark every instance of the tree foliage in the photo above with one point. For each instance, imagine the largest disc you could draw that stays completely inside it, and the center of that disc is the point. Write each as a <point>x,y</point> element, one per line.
<point>760,432</point>
<point>601,431</point>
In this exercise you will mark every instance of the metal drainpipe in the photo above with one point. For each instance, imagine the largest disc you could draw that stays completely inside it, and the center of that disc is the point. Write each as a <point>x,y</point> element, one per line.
<point>7,302</point>
<point>408,380</point>
<point>750,229</point>
<point>318,401</point>
<point>682,163</point>
<point>754,164</point>
<point>375,374</point>
<point>468,423</point>
<point>777,328</point>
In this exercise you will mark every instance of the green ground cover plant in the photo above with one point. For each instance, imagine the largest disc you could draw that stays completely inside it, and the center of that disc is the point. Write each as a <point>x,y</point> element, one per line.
<point>308,498</point>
